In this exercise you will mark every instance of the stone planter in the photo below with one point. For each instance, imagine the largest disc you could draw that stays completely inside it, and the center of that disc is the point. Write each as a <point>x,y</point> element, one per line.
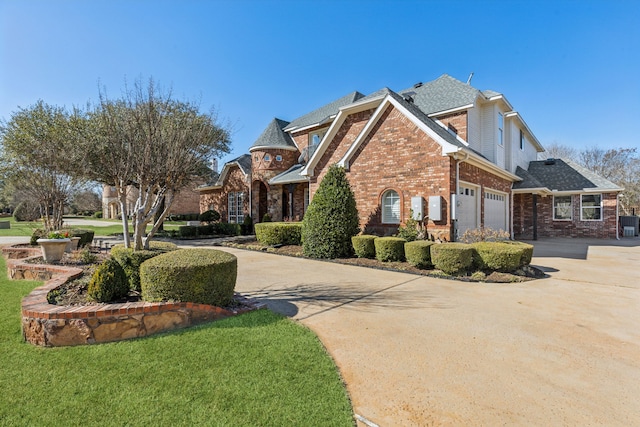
<point>53,249</point>
<point>72,245</point>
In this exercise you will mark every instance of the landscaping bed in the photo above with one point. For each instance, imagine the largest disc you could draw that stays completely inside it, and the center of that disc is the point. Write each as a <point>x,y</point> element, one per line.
<point>523,274</point>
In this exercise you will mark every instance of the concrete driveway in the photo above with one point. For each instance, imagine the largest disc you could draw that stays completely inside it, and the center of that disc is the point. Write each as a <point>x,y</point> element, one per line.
<point>417,351</point>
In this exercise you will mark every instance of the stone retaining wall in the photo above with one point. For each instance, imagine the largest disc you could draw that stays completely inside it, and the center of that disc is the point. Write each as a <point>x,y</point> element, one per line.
<point>51,325</point>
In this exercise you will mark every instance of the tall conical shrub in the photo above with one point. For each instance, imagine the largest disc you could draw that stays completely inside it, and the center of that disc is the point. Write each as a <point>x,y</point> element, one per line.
<point>331,219</point>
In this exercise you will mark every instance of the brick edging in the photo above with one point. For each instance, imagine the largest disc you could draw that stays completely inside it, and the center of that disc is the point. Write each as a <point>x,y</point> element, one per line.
<point>52,325</point>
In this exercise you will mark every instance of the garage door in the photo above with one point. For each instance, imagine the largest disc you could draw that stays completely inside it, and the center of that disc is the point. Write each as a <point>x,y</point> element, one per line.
<point>495,210</point>
<point>467,208</point>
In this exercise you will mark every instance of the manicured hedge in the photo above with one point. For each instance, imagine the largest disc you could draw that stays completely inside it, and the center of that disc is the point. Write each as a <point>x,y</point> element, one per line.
<point>205,276</point>
<point>218,228</point>
<point>497,256</point>
<point>389,249</point>
<point>527,251</point>
<point>363,246</point>
<point>418,253</point>
<point>452,258</point>
<point>278,233</point>
<point>131,260</point>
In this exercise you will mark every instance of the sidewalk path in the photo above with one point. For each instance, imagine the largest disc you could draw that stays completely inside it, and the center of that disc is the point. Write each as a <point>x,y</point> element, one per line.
<point>418,351</point>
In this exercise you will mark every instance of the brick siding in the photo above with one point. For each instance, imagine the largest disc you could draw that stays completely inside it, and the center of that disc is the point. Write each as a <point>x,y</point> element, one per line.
<point>547,227</point>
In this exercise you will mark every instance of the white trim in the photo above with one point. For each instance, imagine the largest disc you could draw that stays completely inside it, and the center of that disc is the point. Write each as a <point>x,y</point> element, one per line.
<point>451,110</point>
<point>388,100</point>
<point>344,112</point>
<point>601,207</point>
<point>534,140</point>
<point>460,140</point>
<point>223,174</point>
<point>553,207</point>
<point>320,123</point>
<point>272,147</point>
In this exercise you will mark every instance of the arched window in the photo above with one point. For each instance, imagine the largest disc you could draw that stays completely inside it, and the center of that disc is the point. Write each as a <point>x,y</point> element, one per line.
<point>390,207</point>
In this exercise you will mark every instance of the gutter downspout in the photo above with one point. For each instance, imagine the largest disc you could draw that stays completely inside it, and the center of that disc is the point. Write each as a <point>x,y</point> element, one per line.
<point>454,207</point>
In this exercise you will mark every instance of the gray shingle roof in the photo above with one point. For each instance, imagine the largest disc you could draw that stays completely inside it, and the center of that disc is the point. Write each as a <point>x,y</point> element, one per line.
<point>444,93</point>
<point>324,112</point>
<point>274,136</point>
<point>561,175</point>
<point>290,176</point>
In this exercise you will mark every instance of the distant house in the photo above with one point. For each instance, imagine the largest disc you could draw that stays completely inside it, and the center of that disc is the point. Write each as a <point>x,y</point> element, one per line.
<point>461,156</point>
<point>187,202</point>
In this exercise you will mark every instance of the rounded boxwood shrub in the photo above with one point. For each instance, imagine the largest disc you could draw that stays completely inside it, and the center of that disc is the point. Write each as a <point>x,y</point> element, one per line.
<point>209,216</point>
<point>131,260</point>
<point>418,253</point>
<point>363,246</point>
<point>108,283</point>
<point>389,249</point>
<point>278,233</point>
<point>452,258</point>
<point>527,251</point>
<point>497,256</point>
<point>332,218</point>
<point>86,236</point>
<point>205,276</point>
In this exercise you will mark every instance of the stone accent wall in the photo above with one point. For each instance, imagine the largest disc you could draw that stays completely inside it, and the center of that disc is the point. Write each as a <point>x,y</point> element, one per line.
<point>457,121</point>
<point>547,227</point>
<point>234,181</point>
<point>262,170</point>
<point>51,325</point>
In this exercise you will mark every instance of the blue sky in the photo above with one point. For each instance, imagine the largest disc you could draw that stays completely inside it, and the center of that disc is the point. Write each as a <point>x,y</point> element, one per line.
<point>571,68</point>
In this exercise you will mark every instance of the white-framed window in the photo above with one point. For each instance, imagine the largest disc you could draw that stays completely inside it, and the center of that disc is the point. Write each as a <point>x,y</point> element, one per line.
<point>500,129</point>
<point>522,140</point>
<point>236,207</point>
<point>591,207</point>
<point>390,207</point>
<point>316,136</point>
<point>278,158</point>
<point>562,208</point>
<point>267,157</point>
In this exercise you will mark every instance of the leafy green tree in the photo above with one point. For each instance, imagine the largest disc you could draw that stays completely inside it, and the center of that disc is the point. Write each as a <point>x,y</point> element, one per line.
<point>40,159</point>
<point>332,218</point>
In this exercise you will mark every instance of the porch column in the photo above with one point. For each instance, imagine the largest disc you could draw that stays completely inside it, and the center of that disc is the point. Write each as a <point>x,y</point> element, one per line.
<point>535,217</point>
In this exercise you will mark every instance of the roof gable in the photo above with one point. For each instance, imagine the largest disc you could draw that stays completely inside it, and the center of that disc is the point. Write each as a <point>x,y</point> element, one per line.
<point>244,164</point>
<point>274,137</point>
<point>324,113</point>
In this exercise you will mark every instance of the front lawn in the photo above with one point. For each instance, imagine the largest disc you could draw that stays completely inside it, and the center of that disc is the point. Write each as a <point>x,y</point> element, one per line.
<point>254,369</point>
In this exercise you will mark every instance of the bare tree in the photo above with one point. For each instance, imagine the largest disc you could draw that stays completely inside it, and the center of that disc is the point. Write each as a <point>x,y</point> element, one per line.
<point>155,144</point>
<point>40,160</point>
<point>620,166</point>
<point>556,150</point>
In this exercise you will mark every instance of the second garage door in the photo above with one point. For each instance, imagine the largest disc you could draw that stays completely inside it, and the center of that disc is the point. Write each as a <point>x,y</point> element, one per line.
<point>495,210</point>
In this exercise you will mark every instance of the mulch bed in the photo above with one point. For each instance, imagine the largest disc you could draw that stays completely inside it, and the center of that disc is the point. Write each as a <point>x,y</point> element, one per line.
<point>522,275</point>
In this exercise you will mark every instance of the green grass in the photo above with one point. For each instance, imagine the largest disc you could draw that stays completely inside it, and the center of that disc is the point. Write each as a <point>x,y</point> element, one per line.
<point>255,369</point>
<point>26,228</point>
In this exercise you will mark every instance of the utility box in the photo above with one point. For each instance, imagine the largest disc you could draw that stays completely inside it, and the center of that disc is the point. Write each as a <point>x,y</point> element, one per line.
<point>417,208</point>
<point>435,208</point>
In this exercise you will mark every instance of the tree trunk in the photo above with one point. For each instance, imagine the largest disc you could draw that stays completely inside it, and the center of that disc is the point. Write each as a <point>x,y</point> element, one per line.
<point>122,196</point>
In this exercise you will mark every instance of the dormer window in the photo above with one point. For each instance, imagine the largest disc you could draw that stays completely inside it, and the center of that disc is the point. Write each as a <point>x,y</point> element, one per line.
<point>500,129</point>
<point>316,136</point>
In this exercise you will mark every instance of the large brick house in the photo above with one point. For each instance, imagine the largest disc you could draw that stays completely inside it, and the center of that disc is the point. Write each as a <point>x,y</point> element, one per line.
<point>461,156</point>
